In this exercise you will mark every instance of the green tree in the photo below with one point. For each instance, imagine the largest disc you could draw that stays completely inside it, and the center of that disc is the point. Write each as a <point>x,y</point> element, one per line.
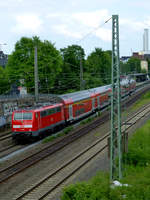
<point>124,68</point>
<point>69,79</point>
<point>21,63</point>
<point>148,60</point>
<point>98,68</point>
<point>134,65</point>
<point>4,81</point>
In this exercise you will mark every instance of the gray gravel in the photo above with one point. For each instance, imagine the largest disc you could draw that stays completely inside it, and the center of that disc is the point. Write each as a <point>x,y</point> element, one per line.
<point>17,184</point>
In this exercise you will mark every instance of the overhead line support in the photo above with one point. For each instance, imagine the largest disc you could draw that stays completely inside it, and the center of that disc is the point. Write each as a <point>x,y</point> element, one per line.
<point>115,137</point>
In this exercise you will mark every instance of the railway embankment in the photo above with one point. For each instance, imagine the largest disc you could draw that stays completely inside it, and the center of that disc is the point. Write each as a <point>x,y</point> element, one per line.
<point>136,168</point>
<point>21,182</point>
<point>135,183</point>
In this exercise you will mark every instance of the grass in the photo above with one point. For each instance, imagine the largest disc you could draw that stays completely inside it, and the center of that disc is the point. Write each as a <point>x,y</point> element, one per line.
<point>142,101</point>
<point>64,132</point>
<point>90,119</point>
<point>136,175</point>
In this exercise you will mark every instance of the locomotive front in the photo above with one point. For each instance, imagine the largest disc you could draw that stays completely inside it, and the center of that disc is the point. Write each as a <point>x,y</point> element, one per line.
<point>22,124</point>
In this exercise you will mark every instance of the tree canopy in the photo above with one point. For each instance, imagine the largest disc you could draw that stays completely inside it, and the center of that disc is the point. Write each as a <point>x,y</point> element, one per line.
<point>133,65</point>
<point>98,68</point>
<point>59,70</point>
<point>21,63</point>
<point>4,81</point>
<point>69,78</point>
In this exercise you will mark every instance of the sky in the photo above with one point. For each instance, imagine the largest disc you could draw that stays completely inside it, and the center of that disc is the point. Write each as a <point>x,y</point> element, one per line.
<point>67,22</point>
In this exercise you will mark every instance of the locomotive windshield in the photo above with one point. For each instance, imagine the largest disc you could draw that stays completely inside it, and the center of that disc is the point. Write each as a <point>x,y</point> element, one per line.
<point>23,116</point>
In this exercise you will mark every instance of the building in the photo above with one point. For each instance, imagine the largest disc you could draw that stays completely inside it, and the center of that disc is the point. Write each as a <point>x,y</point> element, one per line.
<point>145,41</point>
<point>125,59</point>
<point>3,59</point>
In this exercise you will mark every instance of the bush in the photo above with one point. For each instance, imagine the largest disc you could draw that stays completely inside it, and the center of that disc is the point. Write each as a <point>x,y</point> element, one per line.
<point>139,147</point>
<point>136,175</point>
<point>67,130</point>
<point>88,191</point>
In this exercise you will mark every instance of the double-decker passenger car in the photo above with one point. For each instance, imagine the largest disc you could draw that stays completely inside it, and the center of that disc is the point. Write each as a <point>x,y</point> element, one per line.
<point>36,121</point>
<point>80,104</point>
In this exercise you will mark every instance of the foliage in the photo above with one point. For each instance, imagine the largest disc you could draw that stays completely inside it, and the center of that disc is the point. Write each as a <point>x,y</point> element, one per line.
<point>59,71</point>
<point>69,78</point>
<point>136,175</point>
<point>21,63</point>
<point>139,148</point>
<point>124,68</point>
<point>52,137</point>
<point>98,68</point>
<point>142,101</point>
<point>67,130</point>
<point>133,65</point>
<point>88,120</point>
<point>88,191</point>
<point>4,81</point>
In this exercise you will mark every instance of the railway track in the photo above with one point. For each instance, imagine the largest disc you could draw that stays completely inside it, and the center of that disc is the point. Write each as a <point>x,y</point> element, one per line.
<point>14,169</point>
<point>7,148</point>
<point>33,159</point>
<point>53,182</point>
<point>5,136</point>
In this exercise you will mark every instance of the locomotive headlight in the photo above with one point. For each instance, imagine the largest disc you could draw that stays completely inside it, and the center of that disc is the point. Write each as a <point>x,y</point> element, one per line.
<point>28,126</point>
<point>16,126</point>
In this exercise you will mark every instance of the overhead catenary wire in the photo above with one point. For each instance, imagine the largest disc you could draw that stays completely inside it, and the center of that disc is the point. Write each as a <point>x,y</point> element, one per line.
<point>95,29</point>
<point>53,59</point>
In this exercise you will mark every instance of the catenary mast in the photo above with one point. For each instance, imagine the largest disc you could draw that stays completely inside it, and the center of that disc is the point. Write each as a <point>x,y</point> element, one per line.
<point>115,138</point>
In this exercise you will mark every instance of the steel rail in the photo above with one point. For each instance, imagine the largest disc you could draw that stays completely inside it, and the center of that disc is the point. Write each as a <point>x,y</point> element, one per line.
<point>33,159</point>
<point>32,191</point>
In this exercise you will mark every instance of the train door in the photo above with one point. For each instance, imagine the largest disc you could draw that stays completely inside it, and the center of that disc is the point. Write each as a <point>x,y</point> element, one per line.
<point>39,120</point>
<point>98,102</point>
<point>93,104</point>
<point>70,112</point>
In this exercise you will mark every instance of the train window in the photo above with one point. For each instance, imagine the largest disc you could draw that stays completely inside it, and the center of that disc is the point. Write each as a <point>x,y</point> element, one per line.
<point>23,116</point>
<point>50,111</point>
<point>58,109</point>
<point>18,116</point>
<point>43,113</point>
<point>27,116</point>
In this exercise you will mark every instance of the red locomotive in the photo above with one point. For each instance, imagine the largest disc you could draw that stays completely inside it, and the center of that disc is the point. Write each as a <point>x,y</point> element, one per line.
<point>36,121</point>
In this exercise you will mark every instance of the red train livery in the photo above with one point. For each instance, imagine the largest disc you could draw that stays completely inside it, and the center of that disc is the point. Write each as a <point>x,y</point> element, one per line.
<point>36,121</point>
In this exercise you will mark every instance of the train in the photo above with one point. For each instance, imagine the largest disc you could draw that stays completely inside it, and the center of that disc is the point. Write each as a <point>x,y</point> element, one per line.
<point>37,121</point>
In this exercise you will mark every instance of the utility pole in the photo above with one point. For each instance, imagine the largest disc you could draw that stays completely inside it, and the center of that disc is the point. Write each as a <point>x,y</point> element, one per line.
<point>36,74</point>
<point>81,74</point>
<point>115,138</point>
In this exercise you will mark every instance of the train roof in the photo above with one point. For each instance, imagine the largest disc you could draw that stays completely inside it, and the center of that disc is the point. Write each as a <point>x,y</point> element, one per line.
<point>101,89</point>
<point>84,94</point>
<point>38,107</point>
<point>75,96</point>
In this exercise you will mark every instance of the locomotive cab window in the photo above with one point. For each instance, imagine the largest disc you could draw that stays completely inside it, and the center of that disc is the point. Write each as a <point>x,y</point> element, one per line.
<point>23,116</point>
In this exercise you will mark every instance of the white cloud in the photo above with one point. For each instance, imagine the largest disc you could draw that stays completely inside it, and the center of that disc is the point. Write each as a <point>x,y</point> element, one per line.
<point>27,23</point>
<point>132,24</point>
<point>63,29</point>
<point>54,15</point>
<point>91,19</point>
<point>10,3</point>
<point>78,25</point>
<point>104,34</point>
